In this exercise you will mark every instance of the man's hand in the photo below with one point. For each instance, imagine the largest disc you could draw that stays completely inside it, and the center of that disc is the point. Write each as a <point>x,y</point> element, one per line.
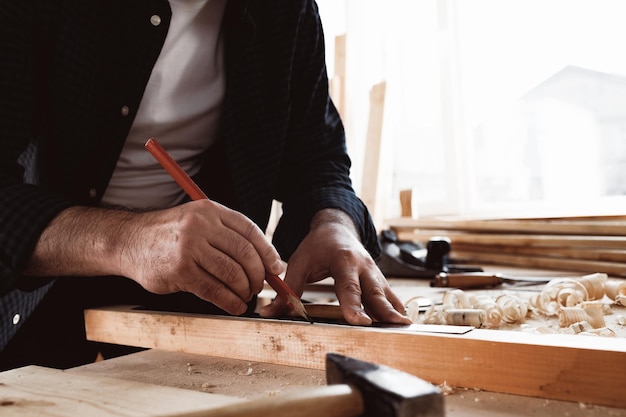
<point>332,248</point>
<point>199,247</point>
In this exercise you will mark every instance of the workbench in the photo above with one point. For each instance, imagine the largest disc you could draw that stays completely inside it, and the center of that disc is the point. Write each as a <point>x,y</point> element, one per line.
<point>225,375</point>
<point>249,379</point>
<point>252,379</point>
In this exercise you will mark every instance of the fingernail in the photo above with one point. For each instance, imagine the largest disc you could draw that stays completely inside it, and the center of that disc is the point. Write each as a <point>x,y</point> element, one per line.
<point>364,316</point>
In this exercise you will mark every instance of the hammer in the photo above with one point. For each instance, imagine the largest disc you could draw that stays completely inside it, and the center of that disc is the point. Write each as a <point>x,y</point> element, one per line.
<point>356,388</point>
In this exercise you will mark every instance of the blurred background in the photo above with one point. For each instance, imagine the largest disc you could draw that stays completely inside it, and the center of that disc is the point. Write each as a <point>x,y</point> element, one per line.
<point>488,108</point>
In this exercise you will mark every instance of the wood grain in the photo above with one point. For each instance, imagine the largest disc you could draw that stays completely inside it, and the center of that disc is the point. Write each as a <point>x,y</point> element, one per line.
<point>475,255</point>
<point>38,391</point>
<point>564,367</point>
<point>534,226</point>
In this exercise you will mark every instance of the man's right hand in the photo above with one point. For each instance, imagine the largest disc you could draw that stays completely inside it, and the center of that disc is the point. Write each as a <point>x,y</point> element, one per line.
<point>199,247</point>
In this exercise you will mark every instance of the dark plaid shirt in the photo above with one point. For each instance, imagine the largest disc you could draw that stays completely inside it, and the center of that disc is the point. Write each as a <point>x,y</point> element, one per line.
<point>68,68</point>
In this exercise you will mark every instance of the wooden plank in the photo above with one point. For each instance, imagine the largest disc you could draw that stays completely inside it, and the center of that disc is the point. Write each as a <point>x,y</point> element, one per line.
<point>607,255</point>
<point>338,80</point>
<point>529,261</point>
<point>596,242</point>
<point>565,367</point>
<point>38,391</point>
<point>542,227</point>
<point>371,179</point>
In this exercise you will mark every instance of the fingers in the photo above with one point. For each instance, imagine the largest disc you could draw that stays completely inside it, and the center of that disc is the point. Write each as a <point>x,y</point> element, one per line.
<point>241,253</point>
<point>367,297</point>
<point>204,248</point>
<point>217,293</point>
<point>381,302</point>
<point>253,235</point>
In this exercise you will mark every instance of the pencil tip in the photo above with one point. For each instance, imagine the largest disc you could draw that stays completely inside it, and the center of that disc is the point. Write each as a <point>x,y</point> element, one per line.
<point>299,308</point>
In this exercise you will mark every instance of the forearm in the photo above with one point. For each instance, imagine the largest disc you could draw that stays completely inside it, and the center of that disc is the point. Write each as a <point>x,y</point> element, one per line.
<point>82,241</point>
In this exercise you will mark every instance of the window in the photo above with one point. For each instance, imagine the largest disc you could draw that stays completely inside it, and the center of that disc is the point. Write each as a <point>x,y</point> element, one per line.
<point>491,107</point>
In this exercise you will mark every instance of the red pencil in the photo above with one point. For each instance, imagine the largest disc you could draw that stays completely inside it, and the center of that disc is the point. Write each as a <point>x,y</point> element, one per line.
<point>192,189</point>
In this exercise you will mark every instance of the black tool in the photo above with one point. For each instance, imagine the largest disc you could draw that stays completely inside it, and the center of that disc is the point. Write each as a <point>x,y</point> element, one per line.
<point>407,259</point>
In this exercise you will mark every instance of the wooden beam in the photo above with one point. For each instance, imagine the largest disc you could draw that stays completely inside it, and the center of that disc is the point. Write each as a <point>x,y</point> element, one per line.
<point>338,80</point>
<point>537,226</point>
<point>530,261</point>
<point>611,242</point>
<point>371,180</point>
<point>44,392</point>
<point>598,254</point>
<point>564,367</point>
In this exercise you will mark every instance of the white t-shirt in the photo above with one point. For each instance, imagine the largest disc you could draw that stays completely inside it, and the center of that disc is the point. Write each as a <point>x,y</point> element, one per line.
<point>180,108</point>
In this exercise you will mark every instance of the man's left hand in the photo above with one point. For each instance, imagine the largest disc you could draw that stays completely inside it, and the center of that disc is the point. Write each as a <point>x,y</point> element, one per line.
<point>332,248</point>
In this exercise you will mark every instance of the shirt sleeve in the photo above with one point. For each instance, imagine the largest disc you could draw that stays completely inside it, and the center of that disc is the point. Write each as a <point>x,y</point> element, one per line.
<point>25,209</point>
<point>315,172</point>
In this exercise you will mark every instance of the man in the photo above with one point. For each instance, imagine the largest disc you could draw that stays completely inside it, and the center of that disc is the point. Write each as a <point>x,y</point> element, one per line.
<point>237,91</point>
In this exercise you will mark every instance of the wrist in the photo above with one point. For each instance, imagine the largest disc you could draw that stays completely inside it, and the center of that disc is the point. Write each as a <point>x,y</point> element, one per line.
<point>334,218</point>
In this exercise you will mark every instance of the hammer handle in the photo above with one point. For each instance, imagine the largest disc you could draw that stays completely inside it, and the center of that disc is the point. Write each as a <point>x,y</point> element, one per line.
<point>467,280</point>
<point>340,400</point>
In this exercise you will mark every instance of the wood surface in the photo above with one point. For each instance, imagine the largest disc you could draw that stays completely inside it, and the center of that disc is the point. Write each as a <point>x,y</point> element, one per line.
<point>248,379</point>
<point>599,254</point>
<point>558,241</point>
<point>534,226</point>
<point>44,392</point>
<point>563,367</point>
<point>583,244</point>
<point>338,80</point>
<point>475,255</point>
<point>371,179</point>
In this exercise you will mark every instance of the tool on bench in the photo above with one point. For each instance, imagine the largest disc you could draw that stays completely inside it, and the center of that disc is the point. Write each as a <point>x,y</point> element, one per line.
<point>355,388</point>
<point>192,189</point>
<point>406,259</point>
<point>482,280</point>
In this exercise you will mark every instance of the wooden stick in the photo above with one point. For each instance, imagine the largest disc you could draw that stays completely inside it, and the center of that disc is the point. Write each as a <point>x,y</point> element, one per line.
<point>611,268</point>
<point>600,254</point>
<point>612,242</point>
<point>192,189</point>
<point>564,367</point>
<point>370,190</point>
<point>542,227</point>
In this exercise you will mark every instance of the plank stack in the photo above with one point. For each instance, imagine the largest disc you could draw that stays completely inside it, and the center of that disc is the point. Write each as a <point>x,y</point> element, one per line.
<point>577,244</point>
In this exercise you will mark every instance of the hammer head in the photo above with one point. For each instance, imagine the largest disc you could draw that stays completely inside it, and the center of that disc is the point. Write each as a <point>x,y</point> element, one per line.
<point>386,392</point>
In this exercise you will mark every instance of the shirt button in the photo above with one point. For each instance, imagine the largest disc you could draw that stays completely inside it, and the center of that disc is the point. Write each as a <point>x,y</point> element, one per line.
<point>125,110</point>
<point>155,20</point>
<point>93,193</point>
<point>16,319</point>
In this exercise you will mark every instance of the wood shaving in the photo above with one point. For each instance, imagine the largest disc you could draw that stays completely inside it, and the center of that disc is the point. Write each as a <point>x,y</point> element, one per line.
<point>464,316</point>
<point>493,312</point>
<point>571,315</point>
<point>514,309</point>
<point>456,299</point>
<point>616,291</point>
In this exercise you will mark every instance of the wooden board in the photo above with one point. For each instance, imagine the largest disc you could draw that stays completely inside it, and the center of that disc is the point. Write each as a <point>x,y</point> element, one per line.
<point>553,226</point>
<point>593,244</point>
<point>233,377</point>
<point>565,367</point>
<point>38,391</point>
<point>475,255</point>
<point>372,161</point>
<point>563,241</point>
